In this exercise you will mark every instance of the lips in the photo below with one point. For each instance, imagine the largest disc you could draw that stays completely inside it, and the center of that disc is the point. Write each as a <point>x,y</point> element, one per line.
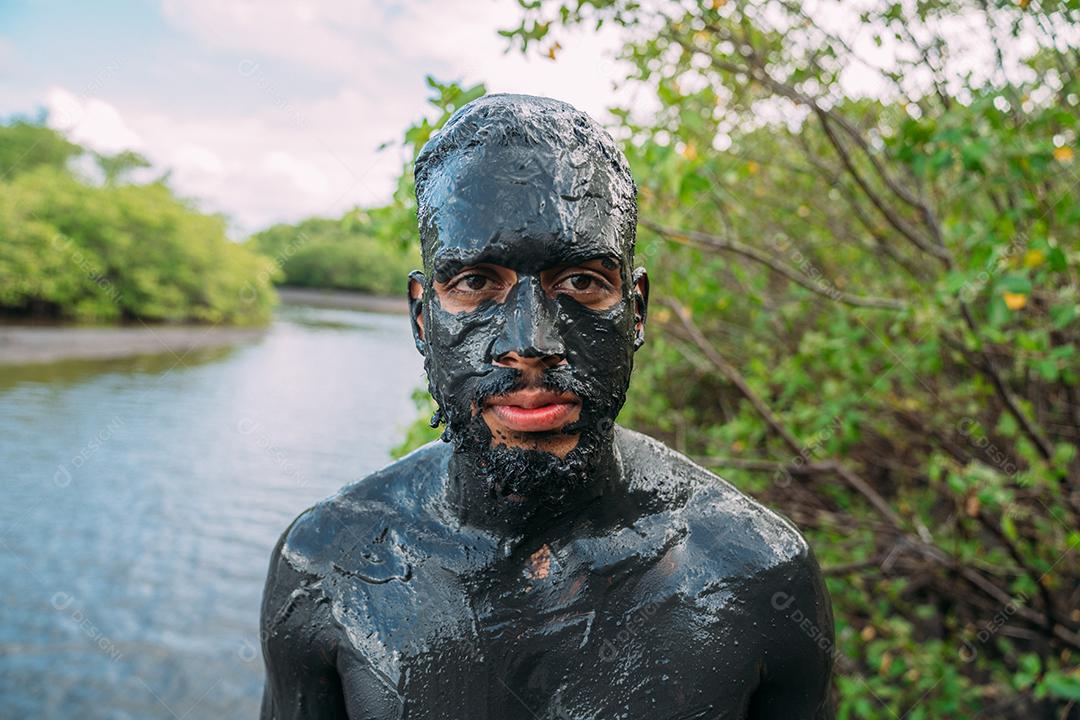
<point>534,410</point>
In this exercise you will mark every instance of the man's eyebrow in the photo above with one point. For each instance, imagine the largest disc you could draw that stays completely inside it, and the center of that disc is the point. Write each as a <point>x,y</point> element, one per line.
<point>610,260</point>
<point>450,261</point>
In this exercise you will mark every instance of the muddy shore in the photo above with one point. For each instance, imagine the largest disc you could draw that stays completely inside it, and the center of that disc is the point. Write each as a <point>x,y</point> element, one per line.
<point>23,344</point>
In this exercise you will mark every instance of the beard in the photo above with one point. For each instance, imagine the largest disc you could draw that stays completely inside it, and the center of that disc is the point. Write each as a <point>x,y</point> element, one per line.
<point>528,478</point>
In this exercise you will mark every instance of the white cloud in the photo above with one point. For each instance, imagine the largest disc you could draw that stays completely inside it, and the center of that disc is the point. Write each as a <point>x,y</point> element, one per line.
<point>196,161</point>
<point>317,34</point>
<point>371,45</point>
<point>90,121</point>
<point>304,176</point>
<point>259,171</point>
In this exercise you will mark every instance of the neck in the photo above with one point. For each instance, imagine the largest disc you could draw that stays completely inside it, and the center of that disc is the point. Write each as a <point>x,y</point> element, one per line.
<point>476,499</point>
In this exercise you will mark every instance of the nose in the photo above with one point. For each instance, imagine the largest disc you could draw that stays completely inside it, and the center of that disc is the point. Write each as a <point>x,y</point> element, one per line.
<point>529,336</point>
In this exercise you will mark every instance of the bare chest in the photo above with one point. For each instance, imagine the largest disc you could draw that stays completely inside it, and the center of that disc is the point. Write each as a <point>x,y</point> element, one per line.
<point>548,636</point>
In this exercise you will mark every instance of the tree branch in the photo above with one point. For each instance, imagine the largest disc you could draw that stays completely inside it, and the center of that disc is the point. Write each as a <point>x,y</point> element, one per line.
<point>887,212</point>
<point>715,242</point>
<point>987,368</point>
<point>757,71</point>
<point>800,451</point>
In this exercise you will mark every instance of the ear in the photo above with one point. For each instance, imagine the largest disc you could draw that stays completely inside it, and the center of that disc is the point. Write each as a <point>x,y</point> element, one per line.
<point>416,308</point>
<point>640,296</point>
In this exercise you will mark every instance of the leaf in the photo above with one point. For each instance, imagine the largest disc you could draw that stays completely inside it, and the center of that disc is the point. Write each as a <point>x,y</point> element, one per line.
<point>1062,685</point>
<point>1057,260</point>
<point>997,312</point>
<point>1014,283</point>
<point>1063,315</point>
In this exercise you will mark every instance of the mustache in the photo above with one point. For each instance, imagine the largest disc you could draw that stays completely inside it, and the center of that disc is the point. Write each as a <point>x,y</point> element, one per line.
<point>502,380</point>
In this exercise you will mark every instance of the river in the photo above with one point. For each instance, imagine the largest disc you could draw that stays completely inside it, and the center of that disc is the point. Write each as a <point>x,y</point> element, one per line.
<point>142,497</point>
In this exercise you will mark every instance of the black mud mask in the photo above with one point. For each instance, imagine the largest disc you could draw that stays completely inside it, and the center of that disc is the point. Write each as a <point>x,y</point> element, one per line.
<point>528,210</point>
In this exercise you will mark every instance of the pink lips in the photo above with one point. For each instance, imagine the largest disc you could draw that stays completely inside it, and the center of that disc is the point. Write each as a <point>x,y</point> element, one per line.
<point>534,410</point>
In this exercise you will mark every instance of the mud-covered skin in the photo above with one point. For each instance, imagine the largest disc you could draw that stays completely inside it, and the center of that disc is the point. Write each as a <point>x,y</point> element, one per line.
<point>488,578</point>
<point>676,597</point>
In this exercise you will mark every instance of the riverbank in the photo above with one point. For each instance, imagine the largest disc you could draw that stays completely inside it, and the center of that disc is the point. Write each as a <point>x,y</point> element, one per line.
<point>30,344</point>
<point>35,344</point>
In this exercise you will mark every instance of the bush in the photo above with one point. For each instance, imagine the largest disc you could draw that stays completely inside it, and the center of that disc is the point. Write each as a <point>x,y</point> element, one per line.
<point>368,251</point>
<point>73,250</point>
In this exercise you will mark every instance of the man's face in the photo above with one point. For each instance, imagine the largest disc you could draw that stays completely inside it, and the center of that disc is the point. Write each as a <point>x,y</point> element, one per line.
<point>531,312</point>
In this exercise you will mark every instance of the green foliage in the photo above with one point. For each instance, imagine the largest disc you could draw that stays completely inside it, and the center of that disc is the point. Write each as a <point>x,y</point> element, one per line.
<point>446,98</point>
<point>420,431</point>
<point>25,145</point>
<point>116,167</point>
<point>73,250</point>
<point>369,251</point>
<point>893,274</point>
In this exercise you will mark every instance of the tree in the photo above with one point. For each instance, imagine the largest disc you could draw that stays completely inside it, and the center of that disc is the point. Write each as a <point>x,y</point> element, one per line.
<point>116,167</point>
<point>25,145</point>
<point>863,237</point>
<point>73,250</point>
<point>361,251</point>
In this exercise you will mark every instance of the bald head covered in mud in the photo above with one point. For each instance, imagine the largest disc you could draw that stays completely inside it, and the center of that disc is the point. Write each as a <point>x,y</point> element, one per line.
<point>540,561</point>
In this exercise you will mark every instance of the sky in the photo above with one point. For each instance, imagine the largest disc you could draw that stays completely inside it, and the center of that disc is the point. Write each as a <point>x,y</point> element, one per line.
<point>272,111</point>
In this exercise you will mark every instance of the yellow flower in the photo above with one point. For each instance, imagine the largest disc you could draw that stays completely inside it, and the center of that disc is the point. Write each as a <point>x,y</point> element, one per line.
<point>1034,258</point>
<point>1014,301</point>
<point>1063,154</point>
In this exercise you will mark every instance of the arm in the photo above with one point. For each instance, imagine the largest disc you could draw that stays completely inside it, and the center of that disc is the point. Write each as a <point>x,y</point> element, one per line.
<point>796,675</point>
<point>298,648</point>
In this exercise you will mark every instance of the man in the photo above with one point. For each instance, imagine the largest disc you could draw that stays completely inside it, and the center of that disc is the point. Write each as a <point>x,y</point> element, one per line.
<point>543,562</point>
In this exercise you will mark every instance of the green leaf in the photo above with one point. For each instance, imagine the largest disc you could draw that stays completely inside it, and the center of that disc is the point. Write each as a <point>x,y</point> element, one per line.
<point>1061,685</point>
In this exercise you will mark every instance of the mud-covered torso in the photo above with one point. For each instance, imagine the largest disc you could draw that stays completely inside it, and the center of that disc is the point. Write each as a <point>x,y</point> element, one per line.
<point>645,607</point>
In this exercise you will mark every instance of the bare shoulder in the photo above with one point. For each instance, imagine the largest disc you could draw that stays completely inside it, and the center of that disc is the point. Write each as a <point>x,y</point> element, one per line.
<point>726,532</point>
<point>336,576</point>
<point>360,525</point>
<point>360,539</point>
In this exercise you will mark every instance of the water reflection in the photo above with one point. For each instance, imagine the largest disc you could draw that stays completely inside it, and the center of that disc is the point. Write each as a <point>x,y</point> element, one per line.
<point>70,372</point>
<point>142,498</point>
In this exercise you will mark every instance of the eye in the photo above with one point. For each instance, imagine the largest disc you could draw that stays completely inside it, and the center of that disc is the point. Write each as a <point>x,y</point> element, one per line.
<point>582,282</point>
<point>474,282</point>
